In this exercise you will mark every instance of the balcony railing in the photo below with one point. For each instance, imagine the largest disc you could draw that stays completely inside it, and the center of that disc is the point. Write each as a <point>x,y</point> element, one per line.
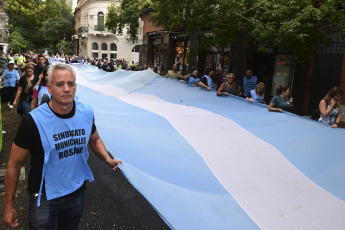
<point>99,28</point>
<point>82,30</point>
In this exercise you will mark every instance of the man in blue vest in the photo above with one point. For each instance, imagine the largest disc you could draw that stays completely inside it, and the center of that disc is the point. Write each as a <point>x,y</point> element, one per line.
<point>56,134</point>
<point>192,79</point>
<point>206,81</point>
<point>248,83</point>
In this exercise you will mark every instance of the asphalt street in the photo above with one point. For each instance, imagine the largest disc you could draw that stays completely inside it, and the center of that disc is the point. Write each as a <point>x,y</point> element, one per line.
<point>111,202</point>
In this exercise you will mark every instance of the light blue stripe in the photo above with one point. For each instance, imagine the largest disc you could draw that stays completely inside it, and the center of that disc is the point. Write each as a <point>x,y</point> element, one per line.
<point>164,167</point>
<point>314,148</point>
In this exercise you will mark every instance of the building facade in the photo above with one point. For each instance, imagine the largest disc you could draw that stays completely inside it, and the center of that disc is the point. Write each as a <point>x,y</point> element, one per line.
<point>4,34</point>
<point>92,38</point>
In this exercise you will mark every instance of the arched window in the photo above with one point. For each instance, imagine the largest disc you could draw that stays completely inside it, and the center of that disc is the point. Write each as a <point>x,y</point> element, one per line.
<point>136,49</point>
<point>94,46</point>
<point>104,46</point>
<point>100,19</point>
<point>113,47</point>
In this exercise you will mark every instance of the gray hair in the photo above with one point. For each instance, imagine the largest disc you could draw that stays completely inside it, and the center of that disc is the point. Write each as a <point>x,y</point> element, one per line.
<point>231,74</point>
<point>60,66</point>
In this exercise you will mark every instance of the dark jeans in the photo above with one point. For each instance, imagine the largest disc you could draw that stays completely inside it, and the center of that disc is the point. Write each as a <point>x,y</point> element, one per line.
<point>26,106</point>
<point>67,209</point>
<point>10,93</point>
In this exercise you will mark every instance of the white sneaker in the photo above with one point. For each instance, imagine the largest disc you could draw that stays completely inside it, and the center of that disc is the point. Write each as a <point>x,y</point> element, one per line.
<point>11,106</point>
<point>3,131</point>
<point>8,104</point>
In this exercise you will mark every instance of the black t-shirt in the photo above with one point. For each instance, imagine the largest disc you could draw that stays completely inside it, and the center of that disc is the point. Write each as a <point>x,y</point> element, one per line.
<point>38,69</point>
<point>23,83</point>
<point>28,137</point>
<point>204,80</point>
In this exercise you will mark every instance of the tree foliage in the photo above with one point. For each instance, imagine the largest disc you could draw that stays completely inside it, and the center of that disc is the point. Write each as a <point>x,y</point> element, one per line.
<point>41,23</point>
<point>66,47</point>
<point>296,25</point>
<point>58,28</point>
<point>293,25</point>
<point>126,16</point>
<point>18,42</point>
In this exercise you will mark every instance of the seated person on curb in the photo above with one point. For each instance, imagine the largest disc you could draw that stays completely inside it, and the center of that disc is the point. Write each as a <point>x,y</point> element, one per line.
<point>206,81</point>
<point>107,67</point>
<point>228,87</point>
<point>329,107</point>
<point>155,69</point>
<point>117,66</point>
<point>150,66</point>
<point>175,73</point>
<point>193,79</point>
<point>281,102</point>
<point>257,94</point>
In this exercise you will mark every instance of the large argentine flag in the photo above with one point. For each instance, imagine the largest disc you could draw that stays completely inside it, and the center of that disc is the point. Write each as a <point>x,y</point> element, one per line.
<point>208,162</point>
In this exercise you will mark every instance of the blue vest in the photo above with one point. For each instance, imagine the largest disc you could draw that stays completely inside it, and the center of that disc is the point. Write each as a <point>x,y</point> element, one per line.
<point>64,143</point>
<point>256,97</point>
<point>193,81</point>
<point>249,84</point>
<point>10,78</point>
<point>43,90</point>
<point>209,82</point>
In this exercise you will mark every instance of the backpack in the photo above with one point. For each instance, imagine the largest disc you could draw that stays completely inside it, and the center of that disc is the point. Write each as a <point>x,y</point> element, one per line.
<point>316,115</point>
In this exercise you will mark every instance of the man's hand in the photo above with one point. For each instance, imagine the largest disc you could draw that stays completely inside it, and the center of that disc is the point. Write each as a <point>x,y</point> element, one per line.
<point>114,164</point>
<point>10,217</point>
